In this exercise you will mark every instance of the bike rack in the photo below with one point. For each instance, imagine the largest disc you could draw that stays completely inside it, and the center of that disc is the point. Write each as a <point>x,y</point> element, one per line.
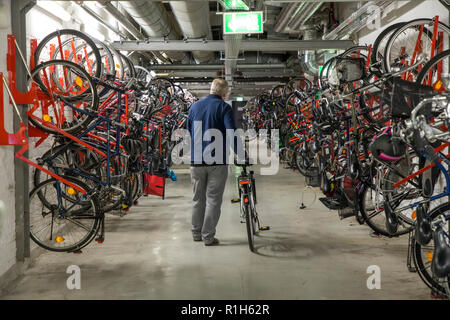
<point>33,96</point>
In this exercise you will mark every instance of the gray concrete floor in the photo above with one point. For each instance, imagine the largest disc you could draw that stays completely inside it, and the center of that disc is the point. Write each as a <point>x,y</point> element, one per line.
<point>307,254</point>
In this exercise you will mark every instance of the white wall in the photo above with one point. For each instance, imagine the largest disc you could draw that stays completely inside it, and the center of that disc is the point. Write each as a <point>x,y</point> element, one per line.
<point>7,203</point>
<point>407,10</point>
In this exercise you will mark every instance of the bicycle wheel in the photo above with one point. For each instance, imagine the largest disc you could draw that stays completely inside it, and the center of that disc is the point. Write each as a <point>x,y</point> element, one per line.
<point>66,160</point>
<point>249,224</point>
<point>435,70</point>
<point>376,56</point>
<point>423,255</point>
<point>71,45</point>
<point>408,41</point>
<point>69,93</point>
<point>69,223</point>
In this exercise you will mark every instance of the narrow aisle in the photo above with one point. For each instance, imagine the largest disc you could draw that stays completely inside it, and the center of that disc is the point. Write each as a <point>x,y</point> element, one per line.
<point>307,254</point>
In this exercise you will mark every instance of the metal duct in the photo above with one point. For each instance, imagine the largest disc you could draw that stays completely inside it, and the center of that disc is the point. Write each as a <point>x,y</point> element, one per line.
<point>153,19</point>
<point>308,58</point>
<point>232,45</point>
<point>193,18</point>
<point>286,15</point>
<point>356,21</point>
<point>303,16</point>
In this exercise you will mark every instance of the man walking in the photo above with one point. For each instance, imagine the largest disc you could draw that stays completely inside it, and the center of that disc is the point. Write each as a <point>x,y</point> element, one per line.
<point>208,178</point>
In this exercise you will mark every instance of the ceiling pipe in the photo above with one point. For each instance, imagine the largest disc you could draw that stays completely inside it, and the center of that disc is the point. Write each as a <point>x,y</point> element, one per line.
<point>112,10</point>
<point>356,21</point>
<point>191,19</point>
<point>127,25</point>
<point>286,15</point>
<point>303,17</point>
<point>154,20</point>
<point>97,17</point>
<point>232,46</point>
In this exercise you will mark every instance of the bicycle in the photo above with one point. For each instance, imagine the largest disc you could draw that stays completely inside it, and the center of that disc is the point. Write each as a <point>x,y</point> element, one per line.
<point>247,194</point>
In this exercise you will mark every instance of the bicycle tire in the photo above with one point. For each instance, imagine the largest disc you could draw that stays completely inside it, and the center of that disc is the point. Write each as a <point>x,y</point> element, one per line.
<point>89,96</point>
<point>425,273</point>
<point>430,64</point>
<point>91,231</point>
<point>374,54</point>
<point>411,24</point>
<point>248,224</point>
<point>79,34</point>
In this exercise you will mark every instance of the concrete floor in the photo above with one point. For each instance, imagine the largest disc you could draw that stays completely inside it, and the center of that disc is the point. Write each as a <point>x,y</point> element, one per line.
<point>307,254</point>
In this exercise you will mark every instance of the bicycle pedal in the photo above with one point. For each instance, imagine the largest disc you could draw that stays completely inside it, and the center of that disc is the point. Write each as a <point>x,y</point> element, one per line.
<point>265,228</point>
<point>100,240</point>
<point>135,203</point>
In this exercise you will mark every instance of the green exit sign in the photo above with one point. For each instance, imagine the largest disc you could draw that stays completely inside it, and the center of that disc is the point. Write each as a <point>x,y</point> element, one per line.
<point>243,22</point>
<point>234,4</point>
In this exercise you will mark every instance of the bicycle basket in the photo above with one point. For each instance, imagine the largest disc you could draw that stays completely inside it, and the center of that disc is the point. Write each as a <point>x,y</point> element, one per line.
<point>350,69</point>
<point>406,95</point>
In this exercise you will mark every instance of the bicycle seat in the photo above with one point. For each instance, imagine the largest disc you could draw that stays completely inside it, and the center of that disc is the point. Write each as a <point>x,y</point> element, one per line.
<point>440,264</point>
<point>246,164</point>
<point>424,233</point>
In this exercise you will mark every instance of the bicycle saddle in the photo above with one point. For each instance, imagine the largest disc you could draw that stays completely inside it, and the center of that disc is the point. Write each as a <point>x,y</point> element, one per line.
<point>391,219</point>
<point>423,227</point>
<point>440,264</point>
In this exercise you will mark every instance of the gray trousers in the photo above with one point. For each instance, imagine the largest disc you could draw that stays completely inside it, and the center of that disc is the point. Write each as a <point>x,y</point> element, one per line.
<point>208,184</point>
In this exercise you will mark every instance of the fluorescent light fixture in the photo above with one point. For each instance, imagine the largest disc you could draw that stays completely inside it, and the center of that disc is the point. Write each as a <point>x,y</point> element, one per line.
<point>55,9</point>
<point>239,98</point>
<point>234,5</point>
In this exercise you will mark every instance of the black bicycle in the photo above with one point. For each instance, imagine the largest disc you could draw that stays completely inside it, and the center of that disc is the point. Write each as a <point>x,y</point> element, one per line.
<point>247,194</point>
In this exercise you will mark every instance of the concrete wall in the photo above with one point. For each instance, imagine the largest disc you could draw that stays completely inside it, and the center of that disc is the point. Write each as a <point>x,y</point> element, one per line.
<point>404,11</point>
<point>7,204</point>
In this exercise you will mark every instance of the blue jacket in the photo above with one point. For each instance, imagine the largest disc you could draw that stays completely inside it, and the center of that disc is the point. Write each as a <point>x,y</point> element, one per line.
<point>214,113</point>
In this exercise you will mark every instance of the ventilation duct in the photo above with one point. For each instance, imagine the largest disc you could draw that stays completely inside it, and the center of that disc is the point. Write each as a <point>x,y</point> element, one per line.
<point>305,13</point>
<point>308,57</point>
<point>286,15</point>
<point>153,19</point>
<point>232,45</point>
<point>191,19</point>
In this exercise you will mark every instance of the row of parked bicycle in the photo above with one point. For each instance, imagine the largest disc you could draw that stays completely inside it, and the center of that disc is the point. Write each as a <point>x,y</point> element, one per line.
<point>372,133</point>
<point>109,125</point>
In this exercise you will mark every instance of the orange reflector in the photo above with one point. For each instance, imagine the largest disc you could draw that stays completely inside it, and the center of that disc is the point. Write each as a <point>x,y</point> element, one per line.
<point>245,200</point>
<point>414,215</point>
<point>244,182</point>
<point>430,256</point>
<point>71,191</point>
<point>437,85</point>
<point>46,118</point>
<point>59,239</point>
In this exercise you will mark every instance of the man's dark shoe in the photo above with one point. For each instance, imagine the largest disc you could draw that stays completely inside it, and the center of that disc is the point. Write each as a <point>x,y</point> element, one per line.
<point>215,242</point>
<point>235,200</point>
<point>197,238</point>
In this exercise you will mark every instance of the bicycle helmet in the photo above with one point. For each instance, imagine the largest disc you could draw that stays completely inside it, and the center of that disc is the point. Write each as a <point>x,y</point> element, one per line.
<point>386,147</point>
<point>440,264</point>
<point>423,227</point>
